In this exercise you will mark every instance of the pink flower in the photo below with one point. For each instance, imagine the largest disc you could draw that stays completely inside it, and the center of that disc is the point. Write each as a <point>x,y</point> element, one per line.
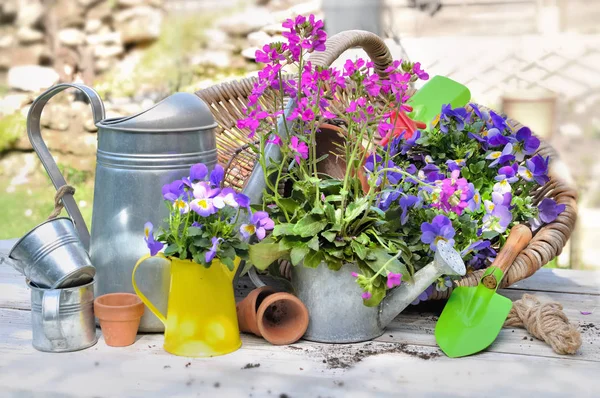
<point>300,149</point>
<point>393,279</point>
<point>275,139</point>
<point>354,274</point>
<point>366,295</point>
<point>421,74</point>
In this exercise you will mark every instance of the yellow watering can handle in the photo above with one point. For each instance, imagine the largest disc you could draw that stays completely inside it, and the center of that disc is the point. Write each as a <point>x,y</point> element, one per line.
<point>151,306</point>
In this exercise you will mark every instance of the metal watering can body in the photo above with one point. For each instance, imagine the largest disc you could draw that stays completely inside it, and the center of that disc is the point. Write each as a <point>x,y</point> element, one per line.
<point>136,156</point>
<point>336,310</point>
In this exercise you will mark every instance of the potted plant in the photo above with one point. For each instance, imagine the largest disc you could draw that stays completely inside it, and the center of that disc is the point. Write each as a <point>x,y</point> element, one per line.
<point>461,182</point>
<point>204,243</point>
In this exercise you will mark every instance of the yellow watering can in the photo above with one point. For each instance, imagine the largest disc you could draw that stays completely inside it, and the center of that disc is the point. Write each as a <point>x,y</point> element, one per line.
<point>201,317</point>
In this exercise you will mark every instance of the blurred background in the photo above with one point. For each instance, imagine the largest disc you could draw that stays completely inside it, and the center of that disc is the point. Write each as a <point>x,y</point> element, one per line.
<point>536,60</point>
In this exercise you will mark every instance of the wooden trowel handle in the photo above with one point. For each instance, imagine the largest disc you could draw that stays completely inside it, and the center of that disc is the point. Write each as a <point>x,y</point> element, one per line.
<point>519,237</point>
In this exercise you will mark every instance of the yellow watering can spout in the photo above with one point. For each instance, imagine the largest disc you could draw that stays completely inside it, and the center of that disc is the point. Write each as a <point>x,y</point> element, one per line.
<point>201,317</point>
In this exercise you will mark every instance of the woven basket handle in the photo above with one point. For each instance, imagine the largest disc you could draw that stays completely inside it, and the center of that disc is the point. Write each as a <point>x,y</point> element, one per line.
<point>372,44</point>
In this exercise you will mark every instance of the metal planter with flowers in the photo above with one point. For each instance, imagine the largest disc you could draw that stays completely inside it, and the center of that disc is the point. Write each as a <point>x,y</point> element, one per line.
<point>204,245</point>
<point>358,255</point>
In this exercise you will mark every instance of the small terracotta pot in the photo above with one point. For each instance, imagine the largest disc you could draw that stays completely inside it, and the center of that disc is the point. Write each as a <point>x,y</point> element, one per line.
<point>331,141</point>
<point>248,307</point>
<point>280,318</point>
<point>119,315</point>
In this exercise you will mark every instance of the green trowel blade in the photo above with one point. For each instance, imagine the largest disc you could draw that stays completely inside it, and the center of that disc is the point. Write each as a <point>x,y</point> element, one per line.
<point>428,100</point>
<point>471,320</point>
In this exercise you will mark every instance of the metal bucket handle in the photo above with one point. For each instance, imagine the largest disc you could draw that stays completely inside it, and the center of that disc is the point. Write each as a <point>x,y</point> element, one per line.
<point>51,318</point>
<point>38,144</point>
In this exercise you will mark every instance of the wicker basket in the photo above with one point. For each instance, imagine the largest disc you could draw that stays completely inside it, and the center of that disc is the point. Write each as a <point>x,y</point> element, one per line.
<point>228,100</point>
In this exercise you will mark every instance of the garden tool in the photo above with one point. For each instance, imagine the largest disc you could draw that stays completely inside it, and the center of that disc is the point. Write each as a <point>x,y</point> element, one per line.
<point>136,156</point>
<point>428,100</point>
<point>473,316</point>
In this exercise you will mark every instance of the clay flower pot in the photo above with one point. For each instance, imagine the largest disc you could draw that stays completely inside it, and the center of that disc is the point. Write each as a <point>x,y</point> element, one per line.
<point>330,141</point>
<point>119,315</point>
<point>280,318</point>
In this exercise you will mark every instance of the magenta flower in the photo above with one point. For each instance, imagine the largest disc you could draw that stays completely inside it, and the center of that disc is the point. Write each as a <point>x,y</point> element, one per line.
<point>421,74</point>
<point>366,295</point>
<point>275,139</point>
<point>252,122</point>
<point>152,244</point>
<point>300,149</point>
<point>393,279</point>
<point>259,224</point>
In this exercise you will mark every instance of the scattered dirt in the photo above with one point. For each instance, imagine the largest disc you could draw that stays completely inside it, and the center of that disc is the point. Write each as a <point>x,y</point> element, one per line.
<point>284,395</point>
<point>251,365</point>
<point>217,385</point>
<point>346,356</point>
<point>96,363</point>
<point>187,365</point>
<point>167,367</point>
<point>275,314</point>
<point>524,337</point>
<point>589,327</point>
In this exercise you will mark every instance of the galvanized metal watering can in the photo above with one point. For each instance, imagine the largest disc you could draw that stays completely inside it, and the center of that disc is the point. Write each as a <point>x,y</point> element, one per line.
<point>136,156</point>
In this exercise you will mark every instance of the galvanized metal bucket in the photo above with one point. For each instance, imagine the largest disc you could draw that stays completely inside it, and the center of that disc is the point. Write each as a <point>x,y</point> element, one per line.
<point>52,256</point>
<point>62,320</point>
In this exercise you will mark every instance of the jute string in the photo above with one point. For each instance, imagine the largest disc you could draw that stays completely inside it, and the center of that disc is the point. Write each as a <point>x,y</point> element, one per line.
<point>58,203</point>
<point>545,321</point>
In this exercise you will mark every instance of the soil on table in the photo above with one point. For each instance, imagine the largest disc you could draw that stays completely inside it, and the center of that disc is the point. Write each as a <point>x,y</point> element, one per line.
<point>344,356</point>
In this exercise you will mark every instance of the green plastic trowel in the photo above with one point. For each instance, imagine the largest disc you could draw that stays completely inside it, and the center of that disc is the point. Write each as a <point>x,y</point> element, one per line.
<point>473,316</point>
<point>428,100</point>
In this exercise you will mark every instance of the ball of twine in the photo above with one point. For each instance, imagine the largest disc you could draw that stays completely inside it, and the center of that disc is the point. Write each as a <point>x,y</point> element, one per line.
<point>545,322</point>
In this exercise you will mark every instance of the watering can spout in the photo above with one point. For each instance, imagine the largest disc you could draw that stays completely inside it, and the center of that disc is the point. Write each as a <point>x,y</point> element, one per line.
<point>447,261</point>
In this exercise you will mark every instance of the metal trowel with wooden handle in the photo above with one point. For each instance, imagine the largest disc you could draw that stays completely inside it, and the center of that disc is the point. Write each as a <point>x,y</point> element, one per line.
<point>473,316</point>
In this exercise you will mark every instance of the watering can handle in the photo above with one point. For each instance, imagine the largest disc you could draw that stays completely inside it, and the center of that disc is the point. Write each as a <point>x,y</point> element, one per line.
<point>35,137</point>
<point>141,295</point>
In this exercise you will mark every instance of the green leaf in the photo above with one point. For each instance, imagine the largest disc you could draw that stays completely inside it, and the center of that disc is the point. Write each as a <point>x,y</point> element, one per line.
<point>324,184</point>
<point>314,243</point>
<point>377,295</point>
<point>329,212</point>
<point>313,259</point>
<point>309,226</point>
<point>329,235</point>
<point>228,261</point>
<point>194,231</point>
<point>262,254</point>
<point>171,249</point>
<point>288,204</point>
<point>355,209</point>
<point>378,211</point>
<point>360,250</point>
<point>363,239</point>
<point>283,229</point>
<point>297,254</point>
<point>333,198</point>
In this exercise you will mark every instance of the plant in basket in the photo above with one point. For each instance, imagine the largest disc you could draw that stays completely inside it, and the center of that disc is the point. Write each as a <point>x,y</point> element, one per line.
<point>389,196</point>
<point>204,245</point>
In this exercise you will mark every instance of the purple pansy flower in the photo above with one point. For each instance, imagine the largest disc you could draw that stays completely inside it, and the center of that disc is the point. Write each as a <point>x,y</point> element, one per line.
<point>474,202</point>
<point>424,295</point>
<point>440,228</point>
<point>260,223</point>
<point>216,176</point>
<point>508,173</point>
<point>227,197</point>
<point>549,210</point>
<point>393,279</point>
<point>405,202</point>
<point>502,157</point>
<point>455,164</point>
<point>538,166</point>
<point>173,190</point>
<point>198,172</point>
<point>498,121</point>
<point>448,115</point>
<point>388,197</point>
<point>526,144</point>
<point>152,244</point>
<point>210,255</point>
<point>495,138</point>
<point>498,215</point>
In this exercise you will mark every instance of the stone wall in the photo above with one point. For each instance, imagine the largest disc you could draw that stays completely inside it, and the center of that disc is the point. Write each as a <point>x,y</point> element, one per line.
<point>44,41</point>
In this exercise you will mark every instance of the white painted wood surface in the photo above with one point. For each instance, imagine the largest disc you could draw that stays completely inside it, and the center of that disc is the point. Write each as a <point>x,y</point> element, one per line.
<point>513,366</point>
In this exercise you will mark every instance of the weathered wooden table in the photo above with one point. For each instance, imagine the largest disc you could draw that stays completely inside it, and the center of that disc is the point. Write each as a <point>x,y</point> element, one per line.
<point>405,360</point>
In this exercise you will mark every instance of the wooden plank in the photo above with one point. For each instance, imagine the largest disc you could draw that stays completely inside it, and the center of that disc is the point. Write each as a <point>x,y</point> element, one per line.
<point>304,369</point>
<point>417,328</point>
<point>561,281</point>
